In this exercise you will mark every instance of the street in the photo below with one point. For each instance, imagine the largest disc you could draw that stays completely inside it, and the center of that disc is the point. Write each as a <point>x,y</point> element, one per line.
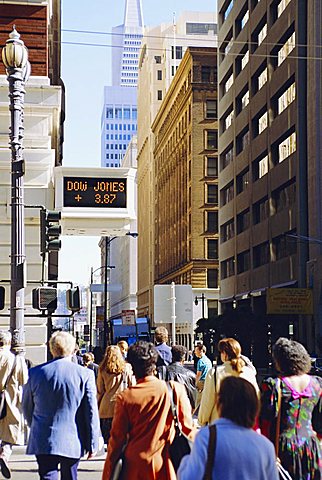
<point>24,467</point>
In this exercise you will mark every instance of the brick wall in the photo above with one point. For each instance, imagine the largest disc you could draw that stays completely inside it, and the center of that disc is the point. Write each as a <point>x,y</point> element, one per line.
<point>31,23</point>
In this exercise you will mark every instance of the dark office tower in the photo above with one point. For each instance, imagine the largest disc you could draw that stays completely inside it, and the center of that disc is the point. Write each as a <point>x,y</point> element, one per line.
<point>270,160</point>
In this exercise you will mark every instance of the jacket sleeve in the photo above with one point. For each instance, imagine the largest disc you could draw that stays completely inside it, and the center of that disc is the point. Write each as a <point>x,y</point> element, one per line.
<point>119,431</point>
<point>207,399</point>
<point>28,402</point>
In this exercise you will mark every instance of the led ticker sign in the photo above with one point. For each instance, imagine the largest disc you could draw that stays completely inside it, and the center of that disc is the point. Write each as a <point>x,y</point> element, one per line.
<point>94,192</point>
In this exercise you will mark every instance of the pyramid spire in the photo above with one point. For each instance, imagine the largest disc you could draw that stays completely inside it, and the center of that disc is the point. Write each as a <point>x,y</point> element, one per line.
<point>133,15</point>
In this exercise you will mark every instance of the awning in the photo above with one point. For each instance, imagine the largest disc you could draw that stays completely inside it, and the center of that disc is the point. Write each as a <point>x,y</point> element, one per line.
<point>242,296</point>
<point>258,292</point>
<point>285,284</point>
<point>226,299</point>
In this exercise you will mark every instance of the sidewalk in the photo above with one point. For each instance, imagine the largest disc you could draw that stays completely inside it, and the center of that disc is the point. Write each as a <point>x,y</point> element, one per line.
<point>24,467</point>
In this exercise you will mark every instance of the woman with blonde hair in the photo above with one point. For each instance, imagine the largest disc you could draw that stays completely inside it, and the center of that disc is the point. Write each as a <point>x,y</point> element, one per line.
<point>114,376</point>
<point>234,364</point>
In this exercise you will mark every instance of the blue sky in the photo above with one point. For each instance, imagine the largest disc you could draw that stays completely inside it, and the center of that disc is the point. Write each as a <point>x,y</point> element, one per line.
<point>85,71</point>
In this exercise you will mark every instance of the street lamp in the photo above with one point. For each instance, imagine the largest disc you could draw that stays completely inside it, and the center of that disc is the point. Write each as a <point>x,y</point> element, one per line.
<point>202,298</point>
<point>15,59</point>
<point>108,241</point>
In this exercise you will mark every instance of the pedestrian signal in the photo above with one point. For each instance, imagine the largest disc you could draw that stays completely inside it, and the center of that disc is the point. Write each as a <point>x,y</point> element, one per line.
<point>44,298</point>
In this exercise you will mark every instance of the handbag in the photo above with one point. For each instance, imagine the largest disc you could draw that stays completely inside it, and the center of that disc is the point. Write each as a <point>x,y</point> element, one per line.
<point>119,465</point>
<point>181,444</point>
<point>211,452</point>
<point>3,401</point>
<point>282,472</point>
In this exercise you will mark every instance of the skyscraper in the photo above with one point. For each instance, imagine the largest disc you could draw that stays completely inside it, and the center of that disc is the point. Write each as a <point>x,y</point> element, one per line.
<point>119,116</point>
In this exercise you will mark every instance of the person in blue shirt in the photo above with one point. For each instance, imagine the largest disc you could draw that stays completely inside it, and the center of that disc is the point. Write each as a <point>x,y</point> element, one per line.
<point>239,453</point>
<point>164,351</point>
<point>203,366</point>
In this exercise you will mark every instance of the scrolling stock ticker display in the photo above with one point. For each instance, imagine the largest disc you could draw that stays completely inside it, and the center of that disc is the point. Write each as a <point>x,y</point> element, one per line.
<point>94,192</point>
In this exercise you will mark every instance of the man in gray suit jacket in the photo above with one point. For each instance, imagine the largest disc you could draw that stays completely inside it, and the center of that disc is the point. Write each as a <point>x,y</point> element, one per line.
<point>60,406</point>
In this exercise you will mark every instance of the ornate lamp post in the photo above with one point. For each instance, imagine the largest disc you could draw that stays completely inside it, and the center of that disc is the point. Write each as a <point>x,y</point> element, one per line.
<point>15,59</point>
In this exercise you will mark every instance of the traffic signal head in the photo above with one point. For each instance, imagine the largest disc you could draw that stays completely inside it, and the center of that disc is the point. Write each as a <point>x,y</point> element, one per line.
<point>50,231</point>
<point>44,298</point>
<point>73,299</point>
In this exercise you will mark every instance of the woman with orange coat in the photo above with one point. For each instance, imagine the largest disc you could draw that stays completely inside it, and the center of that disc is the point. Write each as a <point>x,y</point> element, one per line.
<point>143,419</point>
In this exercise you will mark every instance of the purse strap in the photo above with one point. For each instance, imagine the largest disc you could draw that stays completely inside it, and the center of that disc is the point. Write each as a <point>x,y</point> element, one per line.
<point>215,377</point>
<point>10,374</point>
<point>173,407</point>
<point>211,452</point>
<point>279,411</point>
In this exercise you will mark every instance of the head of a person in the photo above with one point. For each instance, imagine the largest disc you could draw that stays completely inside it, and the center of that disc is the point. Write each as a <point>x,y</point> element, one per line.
<point>200,351</point>
<point>179,353</point>
<point>113,361</point>
<point>237,400</point>
<point>230,351</point>
<point>87,359</point>
<point>123,346</point>
<point>62,344</point>
<point>143,357</point>
<point>5,338</point>
<point>161,335</point>
<point>290,357</point>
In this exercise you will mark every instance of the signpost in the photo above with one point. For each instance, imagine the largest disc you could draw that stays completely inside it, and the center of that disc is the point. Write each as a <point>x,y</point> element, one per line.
<point>128,317</point>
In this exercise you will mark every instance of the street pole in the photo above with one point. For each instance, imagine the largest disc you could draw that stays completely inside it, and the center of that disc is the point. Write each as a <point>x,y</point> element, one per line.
<point>91,313</point>
<point>107,243</point>
<point>173,312</point>
<point>15,59</point>
<point>203,305</point>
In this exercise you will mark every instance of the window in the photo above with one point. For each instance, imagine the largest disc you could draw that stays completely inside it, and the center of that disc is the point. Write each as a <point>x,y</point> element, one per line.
<point>211,109</point>
<point>260,211</point>
<point>228,120</point>
<point>109,112</point>
<point>205,74</point>
<point>243,261</point>
<point>212,278</point>
<point>286,49</point>
<point>159,94</point>
<point>242,181</point>
<point>178,52</point>
<point>212,249</point>
<point>281,6</point>
<point>107,126</point>
<point>262,34</point>
<point>228,9</point>
<point>228,268</point>
<point>244,20</point>
<point>157,59</point>
<point>212,306</point>
<point>227,231</point>
<point>227,157</point>
<point>262,78</point>
<point>134,116</point>
<point>284,197</point>
<point>262,123</point>
<point>118,112</point>
<point>283,247</point>
<point>159,74</point>
<point>212,221</point>
<point>245,99</point>
<point>212,194</point>
<point>261,254</point>
<point>260,167</point>
<point>243,221</point>
<point>127,113</point>
<point>287,147</point>
<point>227,194</point>
<point>286,98</point>
<point>242,141</point>
<point>212,139</point>
<point>228,83</point>
<point>244,60</point>
<point>201,28</point>
<point>212,167</point>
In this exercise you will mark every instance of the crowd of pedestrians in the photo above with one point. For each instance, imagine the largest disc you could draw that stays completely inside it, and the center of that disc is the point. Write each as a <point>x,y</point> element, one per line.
<point>138,398</point>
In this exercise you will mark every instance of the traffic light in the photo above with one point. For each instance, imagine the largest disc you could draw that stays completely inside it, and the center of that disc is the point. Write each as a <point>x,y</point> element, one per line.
<point>44,298</point>
<point>2,297</point>
<point>50,231</point>
<point>73,299</point>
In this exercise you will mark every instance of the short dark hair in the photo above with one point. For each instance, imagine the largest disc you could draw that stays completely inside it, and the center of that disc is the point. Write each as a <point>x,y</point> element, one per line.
<point>238,401</point>
<point>179,353</point>
<point>290,357</point>
<point>143,358</point>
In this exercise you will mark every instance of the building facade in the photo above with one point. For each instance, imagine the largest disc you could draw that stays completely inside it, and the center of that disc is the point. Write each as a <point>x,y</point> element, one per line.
<point>185,180</point>
<point>43,128</point>
<point>162,50</point>
<point>269,159</point>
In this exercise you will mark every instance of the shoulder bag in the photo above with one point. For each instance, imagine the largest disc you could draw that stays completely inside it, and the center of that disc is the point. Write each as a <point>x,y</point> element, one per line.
<point>3,402</point>
<point>211,452</point>
<point>282,472</point>
<point>181,444</point>
<point>119,465</point>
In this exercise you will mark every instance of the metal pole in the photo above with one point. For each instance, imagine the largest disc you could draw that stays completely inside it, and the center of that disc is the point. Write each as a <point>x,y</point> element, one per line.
<point>173,312</point>
<point>203,305</point>
<point>17,78</point>
<point>91,313</point>
<point>107,242</point>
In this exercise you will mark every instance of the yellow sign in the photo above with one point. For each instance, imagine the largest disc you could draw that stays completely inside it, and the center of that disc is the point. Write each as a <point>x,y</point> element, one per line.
<point>288,301</point>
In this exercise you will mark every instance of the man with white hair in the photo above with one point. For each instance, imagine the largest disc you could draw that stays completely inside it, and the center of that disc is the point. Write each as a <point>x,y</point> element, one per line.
<point>59,404</point>
<point>13,375</point>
